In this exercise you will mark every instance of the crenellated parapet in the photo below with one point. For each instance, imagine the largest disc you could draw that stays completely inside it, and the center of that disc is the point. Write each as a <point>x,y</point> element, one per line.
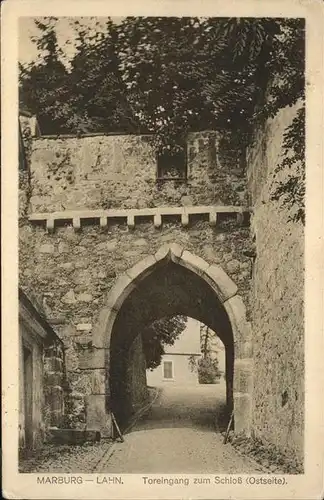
<point>104,218</point>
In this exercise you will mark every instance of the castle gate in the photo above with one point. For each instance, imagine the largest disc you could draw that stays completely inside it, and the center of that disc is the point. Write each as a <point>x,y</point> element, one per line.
<point>108,246</point>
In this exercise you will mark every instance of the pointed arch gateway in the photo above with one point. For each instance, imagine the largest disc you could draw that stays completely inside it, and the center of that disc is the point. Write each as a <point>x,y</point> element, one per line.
<point>172,281</point>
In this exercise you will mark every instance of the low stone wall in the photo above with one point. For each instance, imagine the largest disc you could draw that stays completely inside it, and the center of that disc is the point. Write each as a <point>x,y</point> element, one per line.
<point>277,299</point>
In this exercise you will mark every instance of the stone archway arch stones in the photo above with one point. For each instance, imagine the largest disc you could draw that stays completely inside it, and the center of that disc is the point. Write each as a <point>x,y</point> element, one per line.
<point>98,418</point>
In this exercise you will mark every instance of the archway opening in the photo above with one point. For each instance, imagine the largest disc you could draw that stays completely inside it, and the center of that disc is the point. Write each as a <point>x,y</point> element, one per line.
<point>169,289</point>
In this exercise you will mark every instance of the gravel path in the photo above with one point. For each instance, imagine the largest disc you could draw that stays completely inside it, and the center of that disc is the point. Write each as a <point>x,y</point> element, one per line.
<point>65,459</point>
<point>179,435</point>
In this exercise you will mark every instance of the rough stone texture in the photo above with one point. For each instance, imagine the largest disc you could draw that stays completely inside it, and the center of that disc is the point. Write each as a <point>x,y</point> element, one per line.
<point>278,300</point>
<point>136,375</point>
<point>75,270</point>
<point>49,272</point>
<point>121,171</point>
<point>46,272</point>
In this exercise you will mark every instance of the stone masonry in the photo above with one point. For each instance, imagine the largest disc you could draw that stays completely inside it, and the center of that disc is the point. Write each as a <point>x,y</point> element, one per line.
<point>93,228</point>
<point>278,299</point>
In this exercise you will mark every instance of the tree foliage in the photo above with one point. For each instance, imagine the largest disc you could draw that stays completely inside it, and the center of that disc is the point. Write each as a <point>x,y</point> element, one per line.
<point>207,365</point>
<point>160,333</point>
<point>168,75</point>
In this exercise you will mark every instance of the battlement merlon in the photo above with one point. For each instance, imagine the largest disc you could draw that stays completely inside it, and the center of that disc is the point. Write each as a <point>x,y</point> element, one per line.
<point>131,216</point>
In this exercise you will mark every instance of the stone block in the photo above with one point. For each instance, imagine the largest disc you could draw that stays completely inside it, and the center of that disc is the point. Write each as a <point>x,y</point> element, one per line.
<point>243,375</point>
<point>242,413</point>
<point>236,311</point>
<point>107,246</point>
<point>194,263</point>
<point>84,327</point>
<point>67,266</point>
<point>84,297</point>
<point>176,252</point>
<point>157,221</point>
<point>97,417</point>
<point>81,263</point>
<point>103,327</point>
<point>141,269</point>
<point>69,330</point>
<point>92,358</point>
<point>53,378</point>
<point>220,282</point>
<point>233,266</point>
<point>47,248</point>
<point>69,297</point>
<point>82,276</point>
<point>140,242</point>
<point>63,247</point>
<point>54,397</point>
<point>98,381</point>
<point>163,252</point>
<point>53,364</point>
<point>117,294</point>
<point>186,201</point>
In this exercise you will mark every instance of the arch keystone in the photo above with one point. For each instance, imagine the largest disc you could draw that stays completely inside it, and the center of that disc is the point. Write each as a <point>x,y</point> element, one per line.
<point>225,287</point>
<point>176,252</point>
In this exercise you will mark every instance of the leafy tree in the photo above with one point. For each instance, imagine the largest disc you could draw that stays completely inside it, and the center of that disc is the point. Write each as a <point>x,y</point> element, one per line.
<point>168,75</point>
<point>43,85</point>
<point>291,191</point>
<point>207,365</point>
<point>208,372</point>
<point>160,333</point>
<point>99,93</point>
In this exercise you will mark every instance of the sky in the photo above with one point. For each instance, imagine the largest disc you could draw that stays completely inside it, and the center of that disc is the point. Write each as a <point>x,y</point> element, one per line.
<point>65,35</point>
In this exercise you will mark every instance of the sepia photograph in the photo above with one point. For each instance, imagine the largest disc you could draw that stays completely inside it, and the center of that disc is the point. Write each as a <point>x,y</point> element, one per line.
<point>161,238</point>
<point>161,244</point>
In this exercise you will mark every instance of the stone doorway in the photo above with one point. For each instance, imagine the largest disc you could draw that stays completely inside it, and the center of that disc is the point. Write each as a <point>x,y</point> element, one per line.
<point>173,281</point>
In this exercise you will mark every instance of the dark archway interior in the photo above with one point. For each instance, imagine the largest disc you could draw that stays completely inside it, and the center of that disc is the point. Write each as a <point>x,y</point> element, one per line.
<point>169,290</point>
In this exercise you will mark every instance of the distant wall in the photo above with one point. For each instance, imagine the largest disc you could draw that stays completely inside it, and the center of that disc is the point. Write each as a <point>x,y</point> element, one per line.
<point>121,172</point>
<point>277,299</point>
<point>182,372</point>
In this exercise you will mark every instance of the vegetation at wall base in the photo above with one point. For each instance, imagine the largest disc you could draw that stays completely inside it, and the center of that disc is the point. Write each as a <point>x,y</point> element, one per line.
<point>266,454</point>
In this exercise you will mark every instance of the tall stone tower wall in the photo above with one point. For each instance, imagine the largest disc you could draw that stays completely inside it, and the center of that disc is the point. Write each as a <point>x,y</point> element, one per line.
<point>277,297</point>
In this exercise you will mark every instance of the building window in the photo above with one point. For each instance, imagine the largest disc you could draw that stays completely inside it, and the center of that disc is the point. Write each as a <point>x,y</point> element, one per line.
<point>167,369</point>
<point>172,164</point>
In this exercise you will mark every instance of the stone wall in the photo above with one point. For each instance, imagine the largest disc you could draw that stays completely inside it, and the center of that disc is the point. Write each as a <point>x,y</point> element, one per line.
<point>277,298</point>
<point>32,422</point>
<point>112,171</point>
<point>136,375</point>
<point>41,376</point>
<point>72,272</point>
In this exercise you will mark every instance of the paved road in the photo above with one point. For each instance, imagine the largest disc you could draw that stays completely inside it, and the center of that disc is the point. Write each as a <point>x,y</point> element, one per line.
<point>180,434</point>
